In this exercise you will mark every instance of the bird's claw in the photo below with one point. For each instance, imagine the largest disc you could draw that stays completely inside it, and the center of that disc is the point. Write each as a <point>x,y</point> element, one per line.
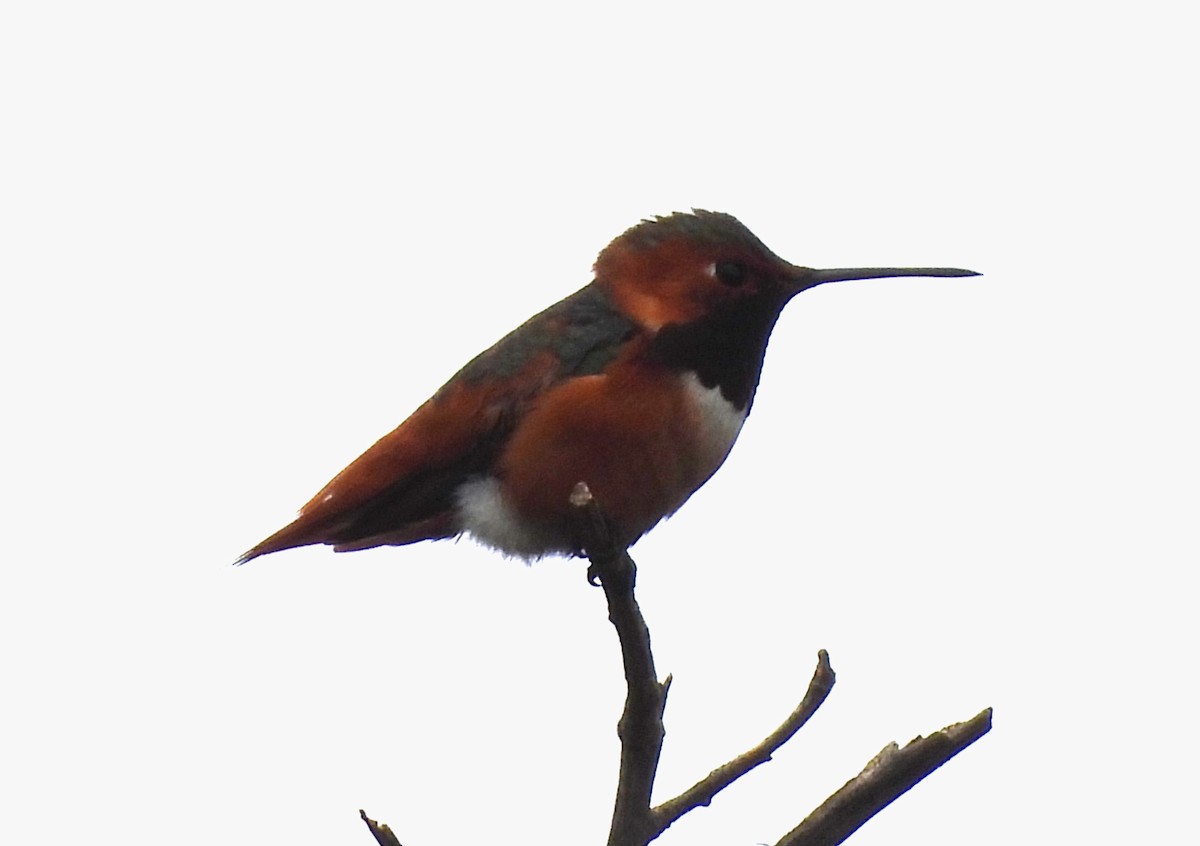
<point>613,569</point>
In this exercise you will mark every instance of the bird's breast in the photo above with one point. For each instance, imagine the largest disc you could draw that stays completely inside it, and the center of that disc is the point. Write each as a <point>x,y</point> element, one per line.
<point>643,446</point>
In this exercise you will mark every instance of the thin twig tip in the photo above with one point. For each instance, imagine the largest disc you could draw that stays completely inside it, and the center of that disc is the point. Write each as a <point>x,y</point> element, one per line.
<point>581,495</point>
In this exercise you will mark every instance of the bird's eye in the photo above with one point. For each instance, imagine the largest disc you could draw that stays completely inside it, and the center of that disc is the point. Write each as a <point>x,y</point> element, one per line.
<point>730,273</point>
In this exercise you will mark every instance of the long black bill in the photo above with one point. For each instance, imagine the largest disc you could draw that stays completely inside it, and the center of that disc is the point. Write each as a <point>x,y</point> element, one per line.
<point>812,278</point>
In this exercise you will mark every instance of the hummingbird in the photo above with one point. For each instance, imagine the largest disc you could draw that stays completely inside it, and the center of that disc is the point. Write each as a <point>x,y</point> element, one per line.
<point>636,385</point>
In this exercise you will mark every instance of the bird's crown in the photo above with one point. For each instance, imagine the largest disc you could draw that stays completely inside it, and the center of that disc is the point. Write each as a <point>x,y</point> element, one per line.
<point>678,267</point>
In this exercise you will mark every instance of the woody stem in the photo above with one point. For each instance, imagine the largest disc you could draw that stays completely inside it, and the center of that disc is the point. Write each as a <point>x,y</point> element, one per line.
<point>640,728</point>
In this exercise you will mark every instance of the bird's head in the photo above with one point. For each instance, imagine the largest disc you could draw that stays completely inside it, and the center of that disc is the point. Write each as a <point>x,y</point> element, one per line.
<point>682,267</point>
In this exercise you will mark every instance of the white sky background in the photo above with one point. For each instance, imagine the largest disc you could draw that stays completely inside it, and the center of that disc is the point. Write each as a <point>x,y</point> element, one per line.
<point>241,241</point>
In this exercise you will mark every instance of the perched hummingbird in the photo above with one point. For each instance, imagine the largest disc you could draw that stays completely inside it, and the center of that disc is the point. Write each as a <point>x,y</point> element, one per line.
<point>637,385</point>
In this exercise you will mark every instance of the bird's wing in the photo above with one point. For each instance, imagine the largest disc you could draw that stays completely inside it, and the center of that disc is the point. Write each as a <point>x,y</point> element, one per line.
<point>401,489</point>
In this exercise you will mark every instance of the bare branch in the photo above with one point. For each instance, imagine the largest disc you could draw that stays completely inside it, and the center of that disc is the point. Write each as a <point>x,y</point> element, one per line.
<point>891,773</point>
<point>383,834</point>
<point>640,727</point>
<point>702,793</point>
<point>641,731</point>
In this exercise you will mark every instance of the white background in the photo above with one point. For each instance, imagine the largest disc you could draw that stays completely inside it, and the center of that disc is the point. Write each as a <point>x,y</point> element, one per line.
<point>241,241</point>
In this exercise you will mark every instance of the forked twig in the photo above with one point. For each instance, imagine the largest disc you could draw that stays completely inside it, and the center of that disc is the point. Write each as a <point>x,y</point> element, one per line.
<point>635,823</point>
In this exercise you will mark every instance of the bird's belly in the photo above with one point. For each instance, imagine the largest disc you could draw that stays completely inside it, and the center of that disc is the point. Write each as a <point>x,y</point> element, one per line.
<point>488,515</point>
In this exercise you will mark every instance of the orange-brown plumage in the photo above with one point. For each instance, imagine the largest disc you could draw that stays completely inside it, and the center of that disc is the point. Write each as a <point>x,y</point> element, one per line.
<point>637,384</point>
<point>627,432</point>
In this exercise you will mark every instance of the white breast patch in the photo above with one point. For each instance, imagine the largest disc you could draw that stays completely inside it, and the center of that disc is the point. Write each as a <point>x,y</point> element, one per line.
<point>718,419</point>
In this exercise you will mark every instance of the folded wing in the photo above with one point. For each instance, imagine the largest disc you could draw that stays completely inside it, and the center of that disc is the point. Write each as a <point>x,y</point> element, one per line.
<point>402,489</point>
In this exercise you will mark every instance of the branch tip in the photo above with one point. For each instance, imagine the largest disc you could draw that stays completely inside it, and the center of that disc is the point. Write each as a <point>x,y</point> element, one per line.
<point>887,776</point>
<point>702,792</point>
<point>581,495</point>
<point>382,833</point>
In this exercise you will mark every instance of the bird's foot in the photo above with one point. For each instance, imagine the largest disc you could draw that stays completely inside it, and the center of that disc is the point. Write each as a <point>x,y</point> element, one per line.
<point>609,563</point>
<point>615,570</point>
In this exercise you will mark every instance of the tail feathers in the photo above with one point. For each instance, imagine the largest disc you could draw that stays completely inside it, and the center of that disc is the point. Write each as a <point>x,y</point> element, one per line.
<point>343,537</point>
<point>438,527</point>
